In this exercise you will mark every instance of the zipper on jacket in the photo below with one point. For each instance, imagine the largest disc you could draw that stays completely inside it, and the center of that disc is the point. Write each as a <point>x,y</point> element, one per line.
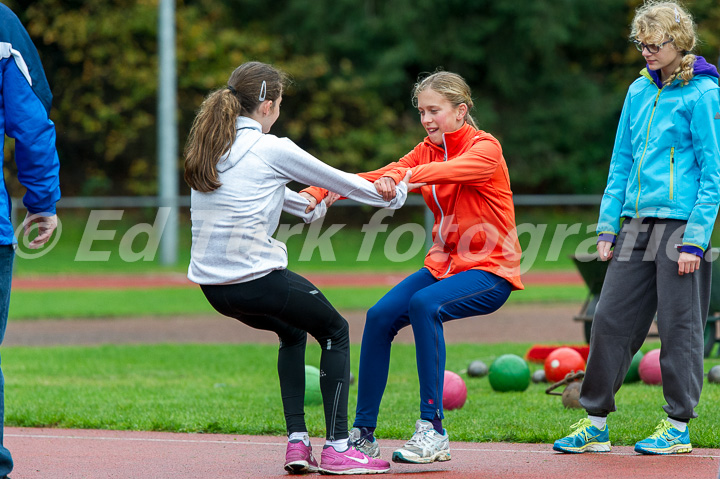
<point>672,170</point>
<point>437,202</point>
<point>441,211</point>
<point>647,139</point>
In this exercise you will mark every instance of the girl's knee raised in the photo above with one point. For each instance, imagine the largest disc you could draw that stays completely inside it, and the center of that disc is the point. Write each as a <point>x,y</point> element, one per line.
<point>422,306</point>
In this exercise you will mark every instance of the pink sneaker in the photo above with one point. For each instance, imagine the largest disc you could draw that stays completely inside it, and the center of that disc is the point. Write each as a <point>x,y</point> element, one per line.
<point>299,458</point>
<point>351,461</point>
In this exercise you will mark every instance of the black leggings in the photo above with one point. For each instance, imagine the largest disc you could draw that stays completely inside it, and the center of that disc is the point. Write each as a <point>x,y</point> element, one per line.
<point>289,305</point>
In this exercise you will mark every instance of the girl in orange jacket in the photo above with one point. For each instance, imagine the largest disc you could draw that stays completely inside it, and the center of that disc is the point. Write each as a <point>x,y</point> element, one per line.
<point>470,270</point>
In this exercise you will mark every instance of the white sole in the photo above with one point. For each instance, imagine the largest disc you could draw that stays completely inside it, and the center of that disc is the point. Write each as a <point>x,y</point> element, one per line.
<point>441,456</point>
<point>300,467</point>
<point>601,447</point>
<point>676,449</point>
<point>357,470</point>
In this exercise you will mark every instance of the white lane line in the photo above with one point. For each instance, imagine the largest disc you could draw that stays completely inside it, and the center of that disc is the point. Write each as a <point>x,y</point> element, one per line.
<point>139,439</point>
<point>551,452</point>
<point>278,444</point>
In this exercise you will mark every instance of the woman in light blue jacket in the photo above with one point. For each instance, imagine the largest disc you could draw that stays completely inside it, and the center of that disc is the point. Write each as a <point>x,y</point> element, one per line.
<point>656,218</point>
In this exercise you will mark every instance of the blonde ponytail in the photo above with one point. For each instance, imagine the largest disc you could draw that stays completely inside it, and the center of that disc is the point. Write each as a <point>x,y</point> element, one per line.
<point>470,120</point>
<point>685,72</point>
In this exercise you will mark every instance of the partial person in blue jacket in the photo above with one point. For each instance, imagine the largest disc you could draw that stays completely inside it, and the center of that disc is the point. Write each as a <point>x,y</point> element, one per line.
<point>657,212</point>
<point>25,100</point>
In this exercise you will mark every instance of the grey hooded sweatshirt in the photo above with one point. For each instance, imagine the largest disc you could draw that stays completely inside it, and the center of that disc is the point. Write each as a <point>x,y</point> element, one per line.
<point>232,226</point>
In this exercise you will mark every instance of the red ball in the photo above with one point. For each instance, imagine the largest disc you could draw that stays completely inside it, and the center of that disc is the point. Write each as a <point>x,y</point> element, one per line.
<point>649,368</point>
<point>561,362</point>
<point>454,391</point>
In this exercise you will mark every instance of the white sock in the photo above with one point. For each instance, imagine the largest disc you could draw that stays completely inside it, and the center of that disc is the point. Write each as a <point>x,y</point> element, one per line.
<point>597,421</point>
<point>300,436</point>
<point>680,426</point>
<point>340,445</point>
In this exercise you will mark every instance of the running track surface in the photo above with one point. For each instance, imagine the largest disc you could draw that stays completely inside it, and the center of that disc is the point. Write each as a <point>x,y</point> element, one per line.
<point>65,453</point>
<point>89,454</point>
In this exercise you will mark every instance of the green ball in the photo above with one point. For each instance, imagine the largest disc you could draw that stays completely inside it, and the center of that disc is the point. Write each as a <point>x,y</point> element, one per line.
<point>633,374</point>
<point>313,397</point>
<point>509,372</point>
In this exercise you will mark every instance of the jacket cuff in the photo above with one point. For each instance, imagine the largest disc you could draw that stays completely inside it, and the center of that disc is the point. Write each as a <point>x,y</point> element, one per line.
<point>688,248</point>
<point>607,237</point>
<point>396,174</point>
<point>318,193</point>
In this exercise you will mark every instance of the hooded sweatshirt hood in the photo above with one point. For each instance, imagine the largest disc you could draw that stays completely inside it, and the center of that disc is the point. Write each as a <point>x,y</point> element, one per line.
<point>250,133</point>
<point>701,67</point>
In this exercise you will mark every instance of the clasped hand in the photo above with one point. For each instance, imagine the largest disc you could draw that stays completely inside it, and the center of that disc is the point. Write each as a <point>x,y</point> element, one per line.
<point>385,187</point>
<point>687,262</point>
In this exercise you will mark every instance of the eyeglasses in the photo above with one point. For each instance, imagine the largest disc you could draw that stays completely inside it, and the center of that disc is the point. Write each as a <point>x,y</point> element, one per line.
<point>650,48</point>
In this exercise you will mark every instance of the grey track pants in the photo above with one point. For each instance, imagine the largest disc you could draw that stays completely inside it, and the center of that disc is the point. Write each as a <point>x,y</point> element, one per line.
<point>643,278</point>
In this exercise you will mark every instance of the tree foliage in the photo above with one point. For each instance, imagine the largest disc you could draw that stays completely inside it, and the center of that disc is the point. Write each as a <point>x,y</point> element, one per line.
<point>548,77</point>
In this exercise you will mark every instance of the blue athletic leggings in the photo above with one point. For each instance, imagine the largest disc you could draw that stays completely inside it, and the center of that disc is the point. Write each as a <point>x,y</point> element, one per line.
<point>426,303</point>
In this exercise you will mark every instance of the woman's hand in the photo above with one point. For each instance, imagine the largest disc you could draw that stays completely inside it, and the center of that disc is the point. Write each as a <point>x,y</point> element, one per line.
<point>331,198</point>
<point>385,186</point>
<point>411,186</point>
<point>311,199</point>
<point>604,250</point>
<point>46,226</point>
<point>688,263</point>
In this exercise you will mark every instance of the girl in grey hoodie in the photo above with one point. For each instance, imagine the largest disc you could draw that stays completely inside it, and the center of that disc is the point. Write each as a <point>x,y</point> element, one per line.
<point>238,174</point>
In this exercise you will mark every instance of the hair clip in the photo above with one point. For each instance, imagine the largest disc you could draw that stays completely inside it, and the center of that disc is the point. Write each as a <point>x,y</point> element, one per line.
<point>677,15</point>
<point>263,91</point>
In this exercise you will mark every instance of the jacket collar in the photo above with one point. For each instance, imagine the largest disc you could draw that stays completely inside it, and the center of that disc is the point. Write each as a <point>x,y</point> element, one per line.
<point>701,67</point>
<point>246,122</point>
<point>455,140</point>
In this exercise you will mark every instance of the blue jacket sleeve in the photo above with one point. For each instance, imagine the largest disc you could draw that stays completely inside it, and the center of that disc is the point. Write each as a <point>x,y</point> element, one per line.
<point>620,166</point>
<point>705,131</point>
<point>26,120</point>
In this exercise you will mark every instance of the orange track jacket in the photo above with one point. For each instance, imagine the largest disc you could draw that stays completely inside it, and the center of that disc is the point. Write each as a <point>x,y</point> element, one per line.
<point>468,190</point>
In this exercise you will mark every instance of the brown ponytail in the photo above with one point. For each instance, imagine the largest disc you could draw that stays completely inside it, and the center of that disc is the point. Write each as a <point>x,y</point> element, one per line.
<point>213,130</point>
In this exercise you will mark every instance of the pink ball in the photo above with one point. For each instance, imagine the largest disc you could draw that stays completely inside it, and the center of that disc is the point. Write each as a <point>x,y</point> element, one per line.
<point>649,368</point>
<point>454,391</point>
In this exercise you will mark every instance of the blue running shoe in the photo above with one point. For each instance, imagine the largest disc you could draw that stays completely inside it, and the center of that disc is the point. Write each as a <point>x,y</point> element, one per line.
<point>665,440</point>
<point>584,438</point>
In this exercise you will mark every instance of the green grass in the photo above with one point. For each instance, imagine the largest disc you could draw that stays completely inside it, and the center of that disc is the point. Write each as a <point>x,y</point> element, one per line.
<point>59,304</point>
<point>234,389</point>
<point>82,242</point>
<point>547,235</point>
<point>68,257</point>
<point>71,255</point>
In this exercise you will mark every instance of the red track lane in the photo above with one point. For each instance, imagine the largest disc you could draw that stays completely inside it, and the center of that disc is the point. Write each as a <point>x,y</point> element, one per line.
<point>139,281</point>
<point>67,453</point>
<point>90,454</point>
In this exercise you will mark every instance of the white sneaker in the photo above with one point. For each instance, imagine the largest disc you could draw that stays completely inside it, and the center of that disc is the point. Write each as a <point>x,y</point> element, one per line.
<point>368,448</point>
<point>425,446</point>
